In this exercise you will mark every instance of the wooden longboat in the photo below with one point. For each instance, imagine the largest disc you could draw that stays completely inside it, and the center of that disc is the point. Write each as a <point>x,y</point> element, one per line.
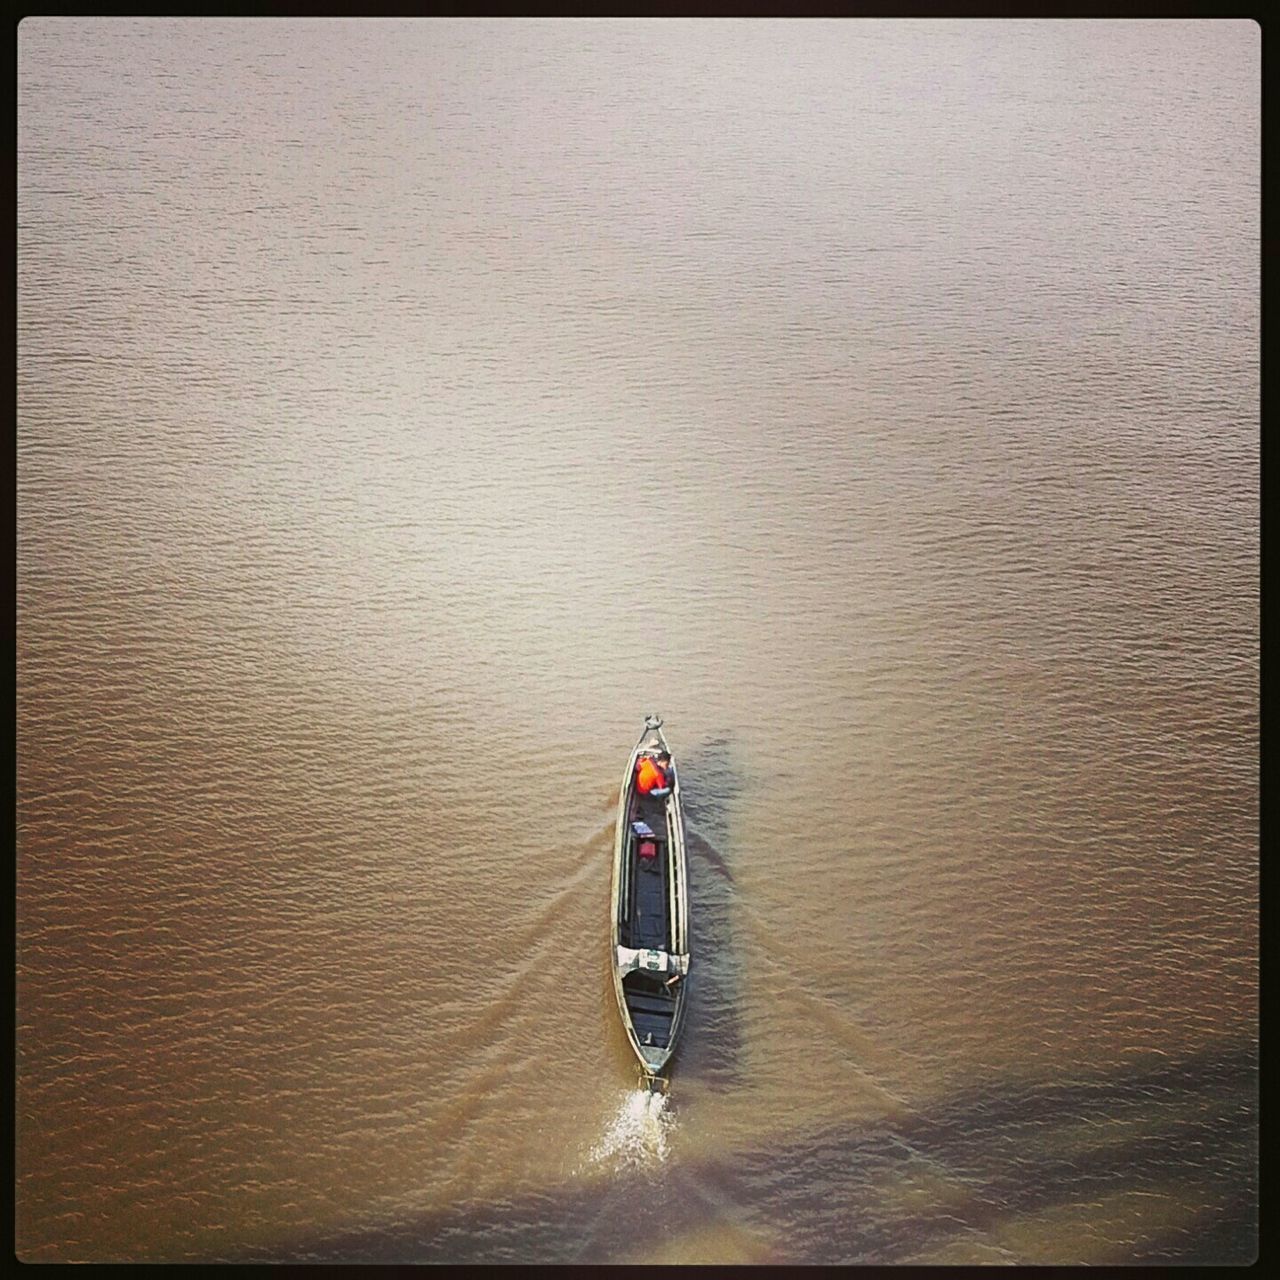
<point>650,911</point>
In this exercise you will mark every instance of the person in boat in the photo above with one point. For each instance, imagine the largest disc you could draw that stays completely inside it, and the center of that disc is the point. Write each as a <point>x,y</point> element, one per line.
<point>652,775</point>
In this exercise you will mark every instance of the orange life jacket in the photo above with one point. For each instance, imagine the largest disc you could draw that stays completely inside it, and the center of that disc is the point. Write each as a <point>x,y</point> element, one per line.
<point>649,776</point>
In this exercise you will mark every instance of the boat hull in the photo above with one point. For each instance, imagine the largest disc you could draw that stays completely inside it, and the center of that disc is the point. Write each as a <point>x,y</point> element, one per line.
<point>649,937</point>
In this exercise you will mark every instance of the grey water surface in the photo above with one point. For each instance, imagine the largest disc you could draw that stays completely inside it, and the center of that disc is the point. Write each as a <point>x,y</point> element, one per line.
<point>405,408</point>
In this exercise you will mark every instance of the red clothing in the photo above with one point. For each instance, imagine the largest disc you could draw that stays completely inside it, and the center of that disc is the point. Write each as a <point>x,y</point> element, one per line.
<point>649,777</point>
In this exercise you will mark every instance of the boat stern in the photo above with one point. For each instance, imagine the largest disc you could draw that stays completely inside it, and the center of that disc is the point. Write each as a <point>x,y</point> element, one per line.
<point>653,1058</point>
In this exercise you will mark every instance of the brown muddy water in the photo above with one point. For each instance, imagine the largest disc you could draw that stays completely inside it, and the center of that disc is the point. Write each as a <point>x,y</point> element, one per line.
<point>406,408</point>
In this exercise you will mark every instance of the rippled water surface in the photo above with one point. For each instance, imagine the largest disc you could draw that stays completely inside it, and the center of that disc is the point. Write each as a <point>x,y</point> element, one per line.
<point>406,408</point>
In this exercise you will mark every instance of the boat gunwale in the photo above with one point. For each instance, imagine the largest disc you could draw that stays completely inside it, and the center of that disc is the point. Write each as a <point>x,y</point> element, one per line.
<point>656,1062</point>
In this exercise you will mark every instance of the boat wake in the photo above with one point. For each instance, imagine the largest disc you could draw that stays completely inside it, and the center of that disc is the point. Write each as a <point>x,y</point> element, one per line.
<point>638,1133</point>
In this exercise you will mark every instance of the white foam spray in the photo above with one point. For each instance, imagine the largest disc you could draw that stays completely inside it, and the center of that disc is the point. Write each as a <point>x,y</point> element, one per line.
<point>638,1133</point>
